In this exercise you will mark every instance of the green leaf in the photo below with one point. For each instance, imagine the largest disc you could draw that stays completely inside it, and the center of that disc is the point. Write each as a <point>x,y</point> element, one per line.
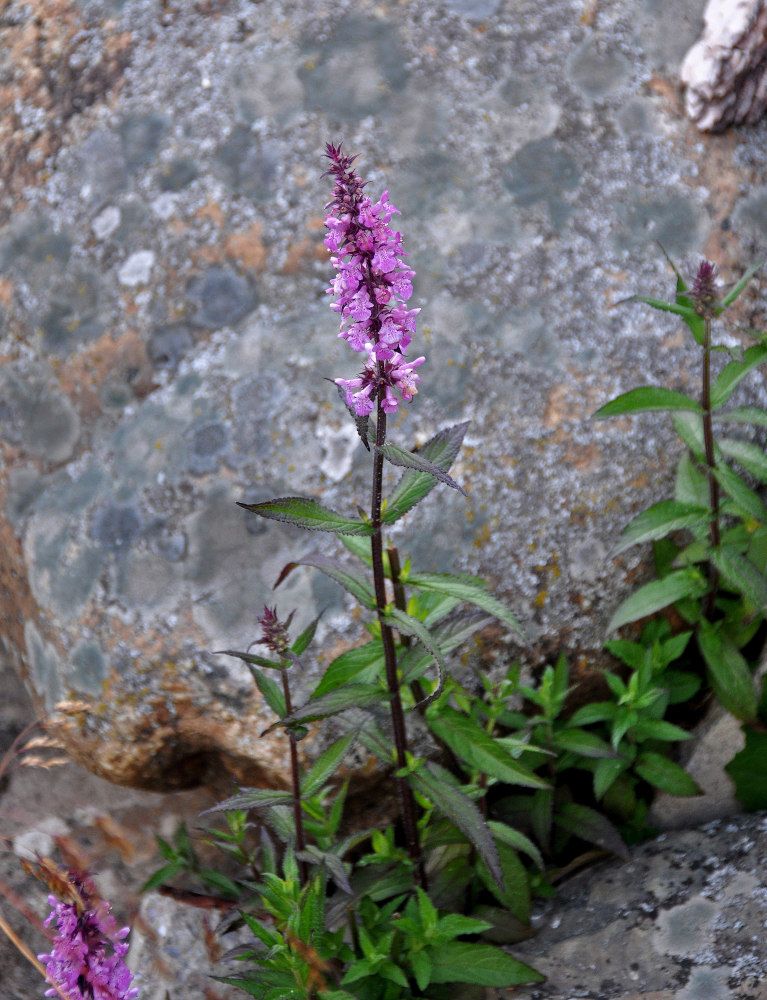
<point>583,743</point>
<point>449,633</point>
<point>606,773</point>
<point>592,826</point>
<point>480,964</point>
<point>325,766</point>
<point>647,398</point>
<point>515,895</point>
<point>271,691</point>
<point>734,371</point>
<point>660,520</point>
<point>751,457</point>
<point>251,659</point>
<point>728,673</point>
<point>338,700</point>
<point>678,308</point>
<point>468,589</point>
<point>367,659</point>
<point>737,289</point>
<point>747,771</point>
<point>680,686</point>
<point>304,512</point>
<point>412,626</point>
<point>438,786</point>
<point>164,874</point>
<point>658,594</point>
<point>691,485</point>
<point>471,744</point>
<point>665,774</point>
<point>441,450</point>
<point>659,729</point>
<point>359,547</point>
<point>741,574</point>
<point>303,640</point>
<point>252,798</point>
<point>508,835</point>
<point>413,460</point>
<point>336,570</point>
<point>689,427</point>
<point>744,498</point>
<point>744,415</point>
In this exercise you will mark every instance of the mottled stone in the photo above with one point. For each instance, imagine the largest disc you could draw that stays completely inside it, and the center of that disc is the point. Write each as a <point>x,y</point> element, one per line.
<point>223,297</point>
<point>682,919</point>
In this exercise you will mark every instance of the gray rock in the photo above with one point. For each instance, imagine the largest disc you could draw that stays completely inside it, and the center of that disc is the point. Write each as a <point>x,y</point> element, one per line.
<point>683,920</point>
<point>165,335</point>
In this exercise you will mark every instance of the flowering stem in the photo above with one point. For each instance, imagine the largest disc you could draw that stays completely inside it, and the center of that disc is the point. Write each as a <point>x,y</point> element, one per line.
<point>407,800</point>
<point>708,443</point>
<point>295,775</point>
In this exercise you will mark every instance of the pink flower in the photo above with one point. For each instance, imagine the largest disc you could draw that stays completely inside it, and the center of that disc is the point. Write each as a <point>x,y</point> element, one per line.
<point>371,287</point>
<point>86,961</point>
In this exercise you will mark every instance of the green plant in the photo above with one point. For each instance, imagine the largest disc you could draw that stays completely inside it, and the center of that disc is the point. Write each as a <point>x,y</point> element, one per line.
<point>716,575</point>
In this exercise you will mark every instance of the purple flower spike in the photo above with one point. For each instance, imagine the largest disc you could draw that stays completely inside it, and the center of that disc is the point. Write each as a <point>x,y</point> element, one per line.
<point>371,287</point>
<point>86,962</point>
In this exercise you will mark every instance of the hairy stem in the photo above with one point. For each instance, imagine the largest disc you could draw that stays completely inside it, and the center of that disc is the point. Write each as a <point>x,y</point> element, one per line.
<point>713,485</point>
<point>295,776</point>
<point>400,601</point>
<point>407,799</point>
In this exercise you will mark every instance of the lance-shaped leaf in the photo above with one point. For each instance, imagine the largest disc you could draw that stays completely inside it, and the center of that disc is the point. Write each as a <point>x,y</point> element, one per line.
<point>303,640</point>
<point>252,798</point>
<point>735,291</point>
<point>658,594</point>
<point>441,450</point>
<point>646,398</point>
<point>450,633</point>
<point>750,456</point>
<point>439,787</point>
<point>741,574</point>
<point>742,496</point>
<point>339,700</point>
<point>734,371</point>
<point>744,415</point>
<point>413,460</point>
<point>469,589</point>
<point>325,766</point>
<point>359,547</point>
<point>330,862</point>
<point>660,520</point>
<point>479,964</point>
<point>678,308</point>
<point>728,673</point>
<point>665,774</point>
<point>251,658</point>
<point>509,835</point>
<point>412,626</point>
<point>347,577</point>
<point>471,744</point>
<point>592,826</point>
<point>366,660</point>
<point>304,512</point>
<point>691,485</point>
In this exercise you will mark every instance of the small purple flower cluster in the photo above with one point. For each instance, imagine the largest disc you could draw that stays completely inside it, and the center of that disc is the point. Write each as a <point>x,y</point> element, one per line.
<point>371,288</point>
<point>704,290</point>
<point>275,632</point>
<point>86,962</point>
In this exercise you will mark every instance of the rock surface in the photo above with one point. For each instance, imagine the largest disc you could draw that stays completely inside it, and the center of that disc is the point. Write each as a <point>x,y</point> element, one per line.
<point>164,331</point>
<point>726,71</point>
<point>683,920</point>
